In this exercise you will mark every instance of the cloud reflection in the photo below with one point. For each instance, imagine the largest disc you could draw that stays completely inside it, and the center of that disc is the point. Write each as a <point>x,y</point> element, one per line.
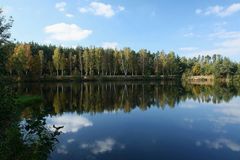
<point>220,143</point>
<point>72,122</point>
<point>227,114</point>
<point>101,146</point>
<point>70,140</point>
<point>62,150</point>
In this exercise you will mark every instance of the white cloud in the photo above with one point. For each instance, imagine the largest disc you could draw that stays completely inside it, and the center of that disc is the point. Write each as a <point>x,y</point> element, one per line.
<point>188,49</point>
<point>66,32</point>
<point>101,9</point>
<point>231,9</point>
<point>60,6</point>
<point>121,8</point>
<point>69,15</point>
<point>225,34</point>
<point>72,122</point>
<point>83,10</point>
<point>111,45</point>
<point>214,10</point>
<point>225,51</point>
<point>220,10</point>
<point>226,43</point>
<point>232,43</point>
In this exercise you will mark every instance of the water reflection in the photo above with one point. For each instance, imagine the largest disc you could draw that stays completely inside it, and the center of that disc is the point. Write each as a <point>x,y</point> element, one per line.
<point>96,97</point>
<point>220,143</point>
<point>101,146</point>
<point>71,122</point>
<point>106,120</point>
<point>228,114</point>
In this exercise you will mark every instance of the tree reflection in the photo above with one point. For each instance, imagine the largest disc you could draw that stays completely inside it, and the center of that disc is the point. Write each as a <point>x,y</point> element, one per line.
<point>27,139</point>
<point>100,97</point>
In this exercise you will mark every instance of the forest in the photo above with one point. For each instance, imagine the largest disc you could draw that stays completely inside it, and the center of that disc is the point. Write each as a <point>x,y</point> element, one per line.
<point>38,61</point>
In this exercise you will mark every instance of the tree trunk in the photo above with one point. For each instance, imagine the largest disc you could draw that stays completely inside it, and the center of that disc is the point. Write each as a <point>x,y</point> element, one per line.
<point>80,64</point>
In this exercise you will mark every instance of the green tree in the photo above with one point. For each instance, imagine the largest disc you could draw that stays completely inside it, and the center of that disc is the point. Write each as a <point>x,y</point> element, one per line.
<point>117,62</point>
<point>80,61</point>
<point>163,62</point>
<point>91,61</point>
<point>143,60</point>
<point>157,64</point>
<point>125,59</point>
<point>98,58</point>
<point>5,26</point>
<point>86,60</point>
<point>36,67</point>
<point>171,63</point>
<point>41,58</point>
<point>70,60</point>
<point>63,62</point>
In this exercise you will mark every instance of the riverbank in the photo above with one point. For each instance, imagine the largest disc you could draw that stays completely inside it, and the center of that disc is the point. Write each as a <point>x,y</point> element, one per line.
<point>90,78</point>
<point>207,80</point>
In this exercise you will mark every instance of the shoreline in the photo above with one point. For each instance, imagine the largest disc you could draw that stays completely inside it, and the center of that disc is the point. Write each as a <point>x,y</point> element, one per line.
<point>204,80</point>
<point>91,78</point>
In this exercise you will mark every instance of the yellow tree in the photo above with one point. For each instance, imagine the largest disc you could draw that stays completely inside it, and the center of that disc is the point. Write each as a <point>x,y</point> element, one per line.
<point>56,59</point>
<point>21,58</point>
<point>196,69</point>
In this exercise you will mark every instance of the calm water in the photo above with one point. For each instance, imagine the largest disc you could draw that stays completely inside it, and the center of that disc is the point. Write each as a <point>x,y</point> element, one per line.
<point>140,120</point>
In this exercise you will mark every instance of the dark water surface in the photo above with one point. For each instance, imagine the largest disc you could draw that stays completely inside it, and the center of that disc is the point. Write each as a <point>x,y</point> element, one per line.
<point>116,121</point>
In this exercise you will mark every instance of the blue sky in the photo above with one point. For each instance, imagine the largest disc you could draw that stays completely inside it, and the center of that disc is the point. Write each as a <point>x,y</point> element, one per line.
<point>188,27</point>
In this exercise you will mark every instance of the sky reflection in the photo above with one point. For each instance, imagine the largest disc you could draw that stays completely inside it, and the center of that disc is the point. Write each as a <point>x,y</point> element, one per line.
<point>101,146</point>
<point>72,122</point>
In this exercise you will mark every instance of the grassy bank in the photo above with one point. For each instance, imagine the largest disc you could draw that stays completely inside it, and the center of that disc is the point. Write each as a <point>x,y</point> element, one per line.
<point>25,100</point>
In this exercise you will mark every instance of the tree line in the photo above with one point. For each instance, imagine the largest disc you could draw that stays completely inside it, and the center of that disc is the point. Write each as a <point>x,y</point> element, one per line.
<point>36,60</point>
<point>26,59</point>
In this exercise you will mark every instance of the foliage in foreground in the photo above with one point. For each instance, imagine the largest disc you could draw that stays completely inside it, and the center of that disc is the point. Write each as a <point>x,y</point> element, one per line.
<point>23,139</point>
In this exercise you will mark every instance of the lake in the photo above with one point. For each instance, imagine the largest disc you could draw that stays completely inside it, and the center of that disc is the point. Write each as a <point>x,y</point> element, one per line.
<point>140,120</point>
